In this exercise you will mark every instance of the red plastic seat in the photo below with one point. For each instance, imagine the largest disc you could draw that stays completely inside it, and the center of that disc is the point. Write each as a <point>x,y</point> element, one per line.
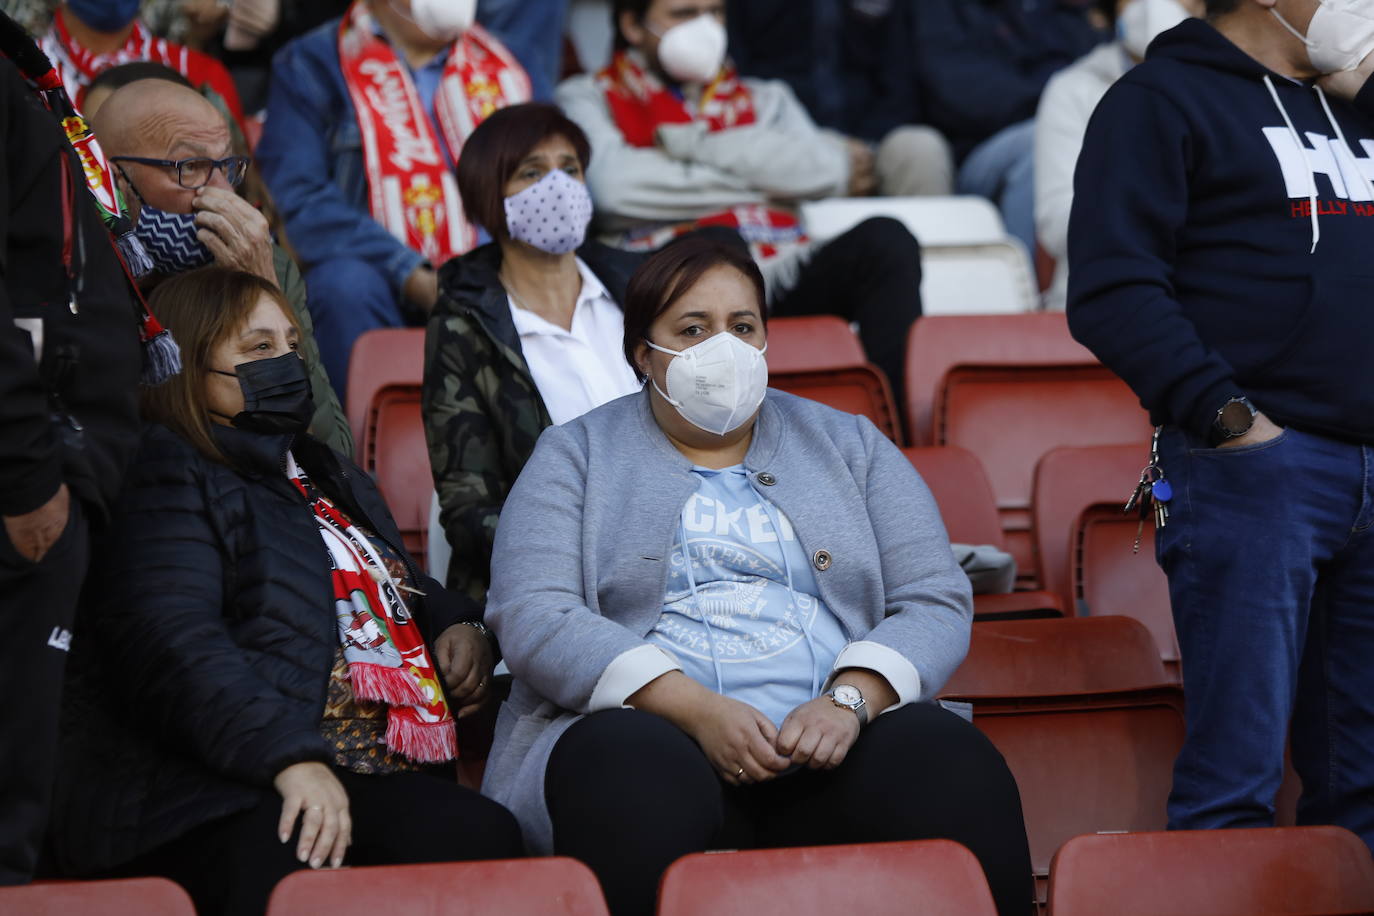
<point>511,887</point>
<point>385,373</point>
<point>820,358</point>
<point>1289,871</point>
<point>956,480</point>
<point>1011,388</point>
<point>1082,710</point>
<point>1085,542</point>
<point>132,897</point>
<point>930,877</point>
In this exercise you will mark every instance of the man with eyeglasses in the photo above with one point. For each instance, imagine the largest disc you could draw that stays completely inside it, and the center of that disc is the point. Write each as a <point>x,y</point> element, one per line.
<point>175,163</point>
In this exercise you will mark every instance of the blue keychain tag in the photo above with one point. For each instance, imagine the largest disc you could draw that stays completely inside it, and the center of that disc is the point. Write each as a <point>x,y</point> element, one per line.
<point>1161,490</point>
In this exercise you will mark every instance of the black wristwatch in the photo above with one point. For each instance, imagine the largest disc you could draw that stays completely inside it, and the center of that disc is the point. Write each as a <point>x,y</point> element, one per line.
<point>1234,420</point>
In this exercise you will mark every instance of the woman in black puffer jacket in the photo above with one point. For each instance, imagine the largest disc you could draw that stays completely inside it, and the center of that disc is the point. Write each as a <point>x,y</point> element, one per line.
<point>256,683</point>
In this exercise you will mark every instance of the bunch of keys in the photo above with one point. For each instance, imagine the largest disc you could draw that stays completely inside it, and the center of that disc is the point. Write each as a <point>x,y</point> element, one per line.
<point>1151,495</point>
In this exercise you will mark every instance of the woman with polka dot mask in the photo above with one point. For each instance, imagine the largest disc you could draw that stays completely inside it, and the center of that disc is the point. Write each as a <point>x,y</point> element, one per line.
<point>528,329</point>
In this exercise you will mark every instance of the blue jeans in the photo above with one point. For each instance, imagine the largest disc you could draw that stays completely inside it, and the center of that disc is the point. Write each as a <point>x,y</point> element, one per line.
<point>1270,557</point>
<point>347,296</point>
<point>1002,169</point>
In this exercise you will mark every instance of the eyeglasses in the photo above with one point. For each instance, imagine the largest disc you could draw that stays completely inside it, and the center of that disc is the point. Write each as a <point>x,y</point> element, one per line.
<point>195,172</point>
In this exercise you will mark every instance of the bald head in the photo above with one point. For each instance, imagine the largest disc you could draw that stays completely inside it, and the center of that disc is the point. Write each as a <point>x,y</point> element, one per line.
<point>158,119</point>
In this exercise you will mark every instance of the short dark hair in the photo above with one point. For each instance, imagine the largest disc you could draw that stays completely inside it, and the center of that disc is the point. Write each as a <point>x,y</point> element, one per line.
<point>121,75</point>
<point>673,270</point>
<point>640,9</point>
<point>494,151</point>
<point>1221,7</point>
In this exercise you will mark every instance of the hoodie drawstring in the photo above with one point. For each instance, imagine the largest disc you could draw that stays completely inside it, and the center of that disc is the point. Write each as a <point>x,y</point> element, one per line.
<point>1301,148</point>
<point>692,584</point>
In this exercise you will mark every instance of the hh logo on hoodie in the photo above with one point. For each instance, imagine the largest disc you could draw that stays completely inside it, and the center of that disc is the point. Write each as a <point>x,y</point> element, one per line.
<point>1348,175</point>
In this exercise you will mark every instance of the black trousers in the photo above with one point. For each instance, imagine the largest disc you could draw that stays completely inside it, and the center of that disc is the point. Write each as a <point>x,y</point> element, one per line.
<point>38,606</point>
<point>230,866</point>
<point>628,793</point>
<point>870,275</point>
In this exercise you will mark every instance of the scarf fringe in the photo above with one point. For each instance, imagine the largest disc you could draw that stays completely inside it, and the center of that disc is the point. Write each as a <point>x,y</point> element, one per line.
<point>423,742</point>
<point>140,265</point>
<point>161,359</point>
<point>381,684</point>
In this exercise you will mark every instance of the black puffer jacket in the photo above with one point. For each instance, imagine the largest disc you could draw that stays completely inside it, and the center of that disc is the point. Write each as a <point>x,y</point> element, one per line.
<point>201,668</point>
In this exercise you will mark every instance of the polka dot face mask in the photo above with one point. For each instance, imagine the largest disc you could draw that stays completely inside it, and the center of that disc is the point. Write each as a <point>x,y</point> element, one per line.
<point>552,214</point>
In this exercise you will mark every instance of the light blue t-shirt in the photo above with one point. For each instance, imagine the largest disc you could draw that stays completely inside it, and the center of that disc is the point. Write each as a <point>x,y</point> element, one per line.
<point>758,627</point>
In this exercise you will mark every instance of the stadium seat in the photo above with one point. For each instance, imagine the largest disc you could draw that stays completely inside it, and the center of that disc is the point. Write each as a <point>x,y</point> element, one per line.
<point>819,357</point>
<point>1085,542</point>
<point>132,897</point>
<point>1290,871</point>
<point>384,377</point>
<point>930,877</point>
<point>1011,388</point>
<point>935,221</point>
<point>511,887</point>
<point>961,490</point>
<point>1083,712</point>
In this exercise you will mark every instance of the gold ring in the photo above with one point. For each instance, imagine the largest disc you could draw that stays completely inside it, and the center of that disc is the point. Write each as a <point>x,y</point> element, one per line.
<point>739,772</point>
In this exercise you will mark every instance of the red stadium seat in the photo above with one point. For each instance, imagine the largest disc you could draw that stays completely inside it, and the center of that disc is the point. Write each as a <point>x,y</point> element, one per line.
<point>132,897</point>
<point>1084,715</point>
<point>930,877</point>
<point>510,887</point>
<point>1085,542</point>
<point>1291,871</point>
<point>820,358</point>
<point>385,373</point>
<point>961,489</point>
<point>1011,388</point>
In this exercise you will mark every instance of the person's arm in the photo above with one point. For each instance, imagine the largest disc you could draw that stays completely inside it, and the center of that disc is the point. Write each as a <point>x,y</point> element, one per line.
<point>1130,203</point>
<point>642,183</point>
<point>1059,125</point>
<point>162,617</point>
<point>784,155</point>
<point>298,166</point>
<point>327,423</point>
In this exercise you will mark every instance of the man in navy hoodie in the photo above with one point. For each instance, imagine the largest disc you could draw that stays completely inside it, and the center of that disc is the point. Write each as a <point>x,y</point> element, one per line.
<point>1220,262</point>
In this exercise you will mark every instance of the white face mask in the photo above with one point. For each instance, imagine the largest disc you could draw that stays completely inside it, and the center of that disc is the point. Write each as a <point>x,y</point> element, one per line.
<point>717,384</point>
<point>1143,20</point>
<point>694,51</point>
<point>442,20</point>
<point>1340,35</point>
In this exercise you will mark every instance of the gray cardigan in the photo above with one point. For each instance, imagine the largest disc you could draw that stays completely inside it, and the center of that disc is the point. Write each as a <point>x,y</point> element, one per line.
<point>579,566</point>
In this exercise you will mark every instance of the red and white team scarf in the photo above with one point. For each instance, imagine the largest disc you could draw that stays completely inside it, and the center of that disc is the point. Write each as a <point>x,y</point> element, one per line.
<point>386,654</point>
<point>77,66</point>
<point>640,103</point>
<point>410,189</point>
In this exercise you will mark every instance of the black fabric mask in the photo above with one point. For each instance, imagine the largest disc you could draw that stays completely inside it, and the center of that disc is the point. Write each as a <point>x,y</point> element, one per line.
<point>276,395</point>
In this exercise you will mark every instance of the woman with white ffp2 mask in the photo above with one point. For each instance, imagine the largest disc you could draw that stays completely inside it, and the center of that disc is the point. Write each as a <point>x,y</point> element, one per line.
<point>688,45</point>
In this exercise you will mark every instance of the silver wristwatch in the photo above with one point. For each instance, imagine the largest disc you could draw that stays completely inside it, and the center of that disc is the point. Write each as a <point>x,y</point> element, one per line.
<point>848,697</point>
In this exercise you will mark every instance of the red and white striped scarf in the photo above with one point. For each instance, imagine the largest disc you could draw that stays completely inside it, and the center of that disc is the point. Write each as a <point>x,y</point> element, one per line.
<point>78,66</point>
<point>410,189</point>
<point>385,650</point>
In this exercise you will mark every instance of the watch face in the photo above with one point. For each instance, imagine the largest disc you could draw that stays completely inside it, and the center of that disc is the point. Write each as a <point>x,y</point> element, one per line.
<point>847,695</point>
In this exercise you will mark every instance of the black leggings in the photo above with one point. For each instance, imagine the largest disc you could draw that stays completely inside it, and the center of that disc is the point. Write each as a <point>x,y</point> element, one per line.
<point>230,865</point>
<point>628,793</point>
<point>872,275</point>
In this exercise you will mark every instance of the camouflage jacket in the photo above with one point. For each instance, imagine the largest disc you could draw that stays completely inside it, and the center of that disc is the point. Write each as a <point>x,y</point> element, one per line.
<point>482,410</point>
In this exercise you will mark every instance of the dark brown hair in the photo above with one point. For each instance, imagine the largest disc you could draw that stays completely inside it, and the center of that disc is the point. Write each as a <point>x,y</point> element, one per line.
<point>673,270</point>
<point>638,8</point>
<point>494,151</point>
<point>201,308</point>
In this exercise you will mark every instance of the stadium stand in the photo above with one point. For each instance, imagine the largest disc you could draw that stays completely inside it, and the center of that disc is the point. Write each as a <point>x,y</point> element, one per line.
<point>130,897</point>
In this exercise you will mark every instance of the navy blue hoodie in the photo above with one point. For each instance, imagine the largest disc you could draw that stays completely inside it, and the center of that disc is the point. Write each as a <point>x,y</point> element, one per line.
<point>1193,271</point>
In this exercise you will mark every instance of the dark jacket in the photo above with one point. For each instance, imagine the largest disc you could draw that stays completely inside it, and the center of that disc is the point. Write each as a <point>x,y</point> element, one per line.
<point>201,668</point>
<point>482,409</point>
<point>1197,274</point>
<point>91,356</point>
<point>980,65</point>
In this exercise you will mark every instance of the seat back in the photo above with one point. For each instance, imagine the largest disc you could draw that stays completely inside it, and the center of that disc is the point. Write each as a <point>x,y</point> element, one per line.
<point>1274,871</point>
<point>874,879</point>
<point>381,359</point>
<point>937,221</point>
<point>961,489</point>
<point>992,278</point>
<point>819,357</point>
<point>511,887</point>
<point>1086,544</point>
<point>132,897</point>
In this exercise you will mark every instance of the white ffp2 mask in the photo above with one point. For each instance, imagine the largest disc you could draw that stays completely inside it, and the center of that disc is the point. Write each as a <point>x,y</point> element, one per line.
<point>715,385</point>
<point>694,51</point>
<point>442,20</point>
<point>1340,35</point>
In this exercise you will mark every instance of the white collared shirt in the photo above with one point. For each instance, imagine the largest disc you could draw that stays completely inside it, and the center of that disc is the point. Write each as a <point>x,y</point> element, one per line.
<point>580,369</point>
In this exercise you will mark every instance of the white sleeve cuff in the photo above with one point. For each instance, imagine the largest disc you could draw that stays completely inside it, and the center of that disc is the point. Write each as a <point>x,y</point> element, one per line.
<point>629,671</point>
<point>890,663</point>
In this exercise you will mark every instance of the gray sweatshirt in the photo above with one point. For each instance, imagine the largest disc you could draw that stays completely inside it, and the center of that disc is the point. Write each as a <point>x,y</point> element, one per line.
<point>580,566</point>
